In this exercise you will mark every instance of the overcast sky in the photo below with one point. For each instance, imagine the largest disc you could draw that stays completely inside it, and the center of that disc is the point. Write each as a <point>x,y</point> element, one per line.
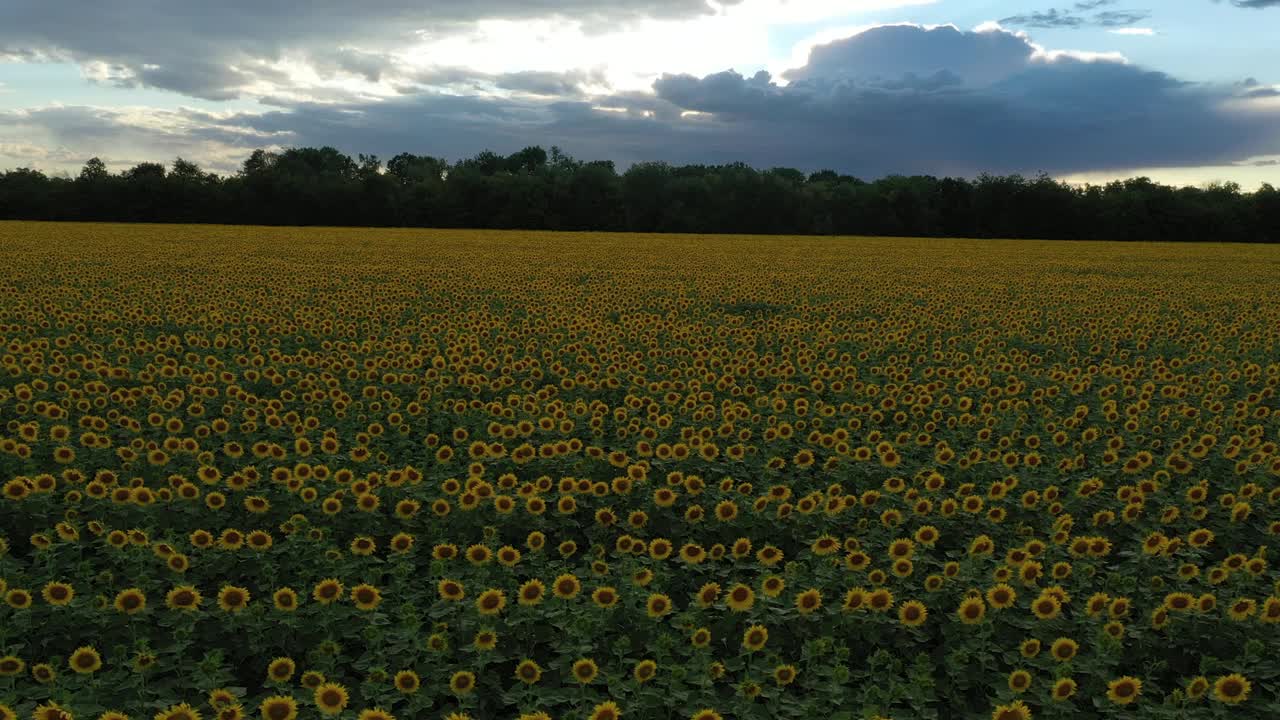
<point>1185,91</point>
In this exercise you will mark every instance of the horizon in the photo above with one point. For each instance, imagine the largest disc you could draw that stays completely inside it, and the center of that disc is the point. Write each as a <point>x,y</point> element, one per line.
<point>621,168</point>
<point>1086,92</point>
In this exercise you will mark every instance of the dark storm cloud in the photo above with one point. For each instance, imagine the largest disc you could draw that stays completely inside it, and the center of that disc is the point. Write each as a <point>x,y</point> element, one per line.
<point>952,102</point>
<point>202,49</point>
<point>1075,17</point>
<point>894,50</point>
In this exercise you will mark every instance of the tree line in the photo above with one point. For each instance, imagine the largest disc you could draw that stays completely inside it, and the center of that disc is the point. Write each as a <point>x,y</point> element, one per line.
<point>536,189</point>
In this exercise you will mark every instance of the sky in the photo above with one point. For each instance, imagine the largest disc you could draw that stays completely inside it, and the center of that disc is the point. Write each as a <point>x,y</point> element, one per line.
<point>1183,91</point>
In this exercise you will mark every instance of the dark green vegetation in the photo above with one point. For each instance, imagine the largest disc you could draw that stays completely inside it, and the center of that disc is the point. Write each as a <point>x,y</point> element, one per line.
<point>532,189</point>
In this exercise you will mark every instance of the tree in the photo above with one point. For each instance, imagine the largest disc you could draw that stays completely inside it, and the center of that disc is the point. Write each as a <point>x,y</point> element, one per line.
<point>93,170</point>
<point>534,188</point>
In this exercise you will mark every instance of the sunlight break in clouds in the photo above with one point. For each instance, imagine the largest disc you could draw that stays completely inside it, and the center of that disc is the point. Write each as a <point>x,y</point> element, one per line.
<point>633,55</point>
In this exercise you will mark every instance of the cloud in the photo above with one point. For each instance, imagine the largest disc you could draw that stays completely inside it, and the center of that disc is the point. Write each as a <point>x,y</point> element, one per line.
<point>1139,31</point>
<point>1073,17</point>
<point>1255,4</point>
<point>187,47</point>
<point>897,50</point>
<point>892,99</point>
<point>63,137</point>
<point>558,84</point>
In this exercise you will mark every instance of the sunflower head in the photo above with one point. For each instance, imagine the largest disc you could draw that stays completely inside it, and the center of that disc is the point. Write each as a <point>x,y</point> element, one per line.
<point>279,707</point>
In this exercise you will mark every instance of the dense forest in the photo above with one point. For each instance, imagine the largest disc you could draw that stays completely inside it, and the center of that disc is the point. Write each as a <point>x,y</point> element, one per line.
<point>534,189</point>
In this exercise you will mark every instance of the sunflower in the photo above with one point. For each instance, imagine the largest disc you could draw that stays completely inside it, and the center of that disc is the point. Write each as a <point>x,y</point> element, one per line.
<point>708,594</point>
<point>1063,649</point>
<point>1015,711</point>
<point>706,714</point>
<point>279,707</point>
<point>769,556</point>
<point>130,601</point>
<point>1029,648</point>
<point>755,637</point>
<point>606,711</point>
<point>485,640</point>
<point>367,597</point>
<point>566,587</point>
<point>233,599</point>
<point>1231,689</point>
<point>281,669</point>
<point>1063,689</point>
<point>912,613</point>
<point>462,682</point>
<point>857,561</point>
<point>1019,680</point>
<point>144,660</point>
<point>1046,607</point>
<point>285,599</point>
<point>7,713</point>
<point>528,672</point>
<point>11,665</point>
<point>1001,596</point>
<point>58,593</point>
<point>531,592</point>
<point>854,599</point>
<point>585,670</point>
<point>1242,609</point>
<point>1124,690</point>
<point>971,611</point>
<point>1270,614</point>
<point>43,673</point>
<point>784,675</point>
<point>644,671</point>
<point>880,600</point>
<point>375,714</point>
<point>181,711</point>
<point>51,711</point>
<point>85,660</point>
<point>327,591</point>
<point>740,598</point>
<point>491,602</point>
<point>451,590</point>
<point>605,597</point>
<point>1119,607</point>
<point>184,598</point>
<point>407,682</point>
<point>108,715</point>
<point>657,605</point>
<point>808,601</point>
<point>330,698</point>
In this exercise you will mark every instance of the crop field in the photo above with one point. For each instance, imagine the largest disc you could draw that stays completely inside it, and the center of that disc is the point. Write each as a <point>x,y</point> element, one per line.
<point>375,474</point>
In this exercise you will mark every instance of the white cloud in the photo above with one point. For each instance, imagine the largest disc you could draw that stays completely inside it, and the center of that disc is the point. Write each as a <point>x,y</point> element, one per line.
<point>1043,55</point>
<point>1142,31</point>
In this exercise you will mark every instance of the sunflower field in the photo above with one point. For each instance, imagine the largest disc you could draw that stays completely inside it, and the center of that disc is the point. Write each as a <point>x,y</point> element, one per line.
<point>381,474</point>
